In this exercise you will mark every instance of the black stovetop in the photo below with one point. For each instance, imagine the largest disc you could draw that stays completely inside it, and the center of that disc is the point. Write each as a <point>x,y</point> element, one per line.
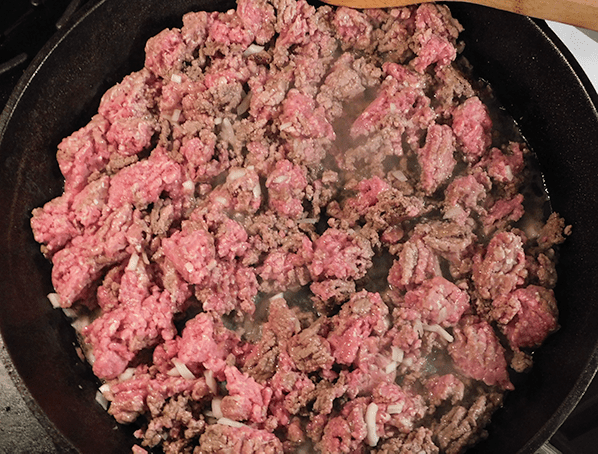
<point>25,26</point>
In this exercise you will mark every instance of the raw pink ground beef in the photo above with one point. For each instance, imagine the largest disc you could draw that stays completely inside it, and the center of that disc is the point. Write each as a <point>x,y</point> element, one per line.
<point>296,229</point>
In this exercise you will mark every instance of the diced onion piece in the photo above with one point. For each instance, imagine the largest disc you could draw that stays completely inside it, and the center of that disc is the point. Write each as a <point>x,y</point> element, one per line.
<point>280,179</point>
<point>284,126</point>
<point>228,133</point>
<point>244,104</point>
<point>391,367</point>
<point>54,300</point>
<point>257,191</point>
<point>183,369</point>
<point>440,331</point>
<point>128,373</point>
<point>133,262</point>
<point>176,114</point>
<point>174,372</point>
<point>442,314</point>
<point>105,388</point>
<point>176,78</point>
<point>80,322</point>
<point>216,408</point>
<point>235,174</point>
<point>70,313</point>
<point>210,381</point>
<point>399,175</point>
<point>397,354</point>
<point>253,49</point>
<point>394,409</point>
<point>189,185</point>
<point>418,326</point>
<point>230,422</point>
<point>370,421</point>
<point>101,400</point>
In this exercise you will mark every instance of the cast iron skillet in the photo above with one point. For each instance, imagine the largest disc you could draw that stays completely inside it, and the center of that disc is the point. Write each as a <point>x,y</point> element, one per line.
<point>532,74</point>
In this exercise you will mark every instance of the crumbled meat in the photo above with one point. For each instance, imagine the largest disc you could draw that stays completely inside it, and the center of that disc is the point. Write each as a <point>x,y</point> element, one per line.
<point>502,267</point>
<point>300,229</point>
<point>220,438</point>
<point>459,427</point>
<point>445,387</point>
<point>420,440</point>
<point>478,354</point>
<point>526,315</point>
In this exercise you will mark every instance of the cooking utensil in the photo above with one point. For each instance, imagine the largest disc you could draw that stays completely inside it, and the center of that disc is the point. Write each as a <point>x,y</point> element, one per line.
<point>533,75</point>
<point>581,13</point>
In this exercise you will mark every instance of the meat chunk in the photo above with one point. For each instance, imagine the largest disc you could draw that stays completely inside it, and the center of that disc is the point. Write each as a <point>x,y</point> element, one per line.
<point>526,315</point>
<point>219,438</point>
<point>459,428</point>
<point>436,157</point>
<point>472,125</point>
<point>502,268</point>
<point>342,255</point>
<point>438,301</point>
<point>117,336</point>
<point>477,352</point>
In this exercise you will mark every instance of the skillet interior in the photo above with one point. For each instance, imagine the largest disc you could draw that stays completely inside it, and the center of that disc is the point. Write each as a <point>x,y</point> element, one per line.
<point>532,77</point>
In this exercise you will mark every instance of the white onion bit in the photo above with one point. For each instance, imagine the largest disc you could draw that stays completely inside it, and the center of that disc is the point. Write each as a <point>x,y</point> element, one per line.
<point>228,132</point>
<point>440,331</point>
<point>235,174</point>
<point>183,369</point>
<point>54,300</point>
<point>189,185</point>
<point>176,115</point>
<point>399,175</point>
<point>395,409</point>
<point>230,422</point>
<point>217,408</point>
<point>397,354</point>
<point>101,400</point>
<point>253,49</point>
<point>176,78</point>
<point>280,179</point>
<point>391,367</point>
<point>173,372</point>
<point>133,262</point>
<point>128,373</point>
<point>244,104</point>
<point>370,421</point>
<point>210,381</point>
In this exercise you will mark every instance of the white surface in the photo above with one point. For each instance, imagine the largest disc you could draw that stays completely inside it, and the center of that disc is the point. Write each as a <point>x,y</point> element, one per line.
<point>583,44</point>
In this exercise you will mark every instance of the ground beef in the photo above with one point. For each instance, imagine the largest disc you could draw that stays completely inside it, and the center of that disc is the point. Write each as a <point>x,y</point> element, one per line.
<point>298,229</point>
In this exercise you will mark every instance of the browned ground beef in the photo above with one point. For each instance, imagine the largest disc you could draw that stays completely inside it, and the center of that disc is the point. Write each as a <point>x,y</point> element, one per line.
<point>297,230</point>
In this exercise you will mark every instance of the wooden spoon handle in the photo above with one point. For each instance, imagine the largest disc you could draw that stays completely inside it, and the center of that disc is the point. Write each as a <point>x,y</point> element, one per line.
<point>581,13</point>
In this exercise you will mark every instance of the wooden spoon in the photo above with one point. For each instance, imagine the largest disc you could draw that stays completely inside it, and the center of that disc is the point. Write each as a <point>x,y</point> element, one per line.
<point>581,13</point>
